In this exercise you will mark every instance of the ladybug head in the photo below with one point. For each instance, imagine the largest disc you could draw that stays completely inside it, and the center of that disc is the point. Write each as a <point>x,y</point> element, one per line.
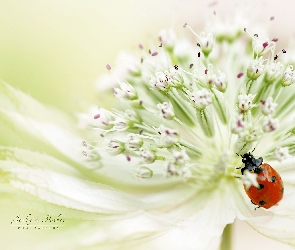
<point>247,158</point>
<point>251,163</point>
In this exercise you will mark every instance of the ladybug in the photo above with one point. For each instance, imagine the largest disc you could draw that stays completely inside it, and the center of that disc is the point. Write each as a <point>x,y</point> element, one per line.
<point>271,187</point>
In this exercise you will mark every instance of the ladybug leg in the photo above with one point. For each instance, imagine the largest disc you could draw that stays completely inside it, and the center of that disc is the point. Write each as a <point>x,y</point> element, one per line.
<point>255,204</point>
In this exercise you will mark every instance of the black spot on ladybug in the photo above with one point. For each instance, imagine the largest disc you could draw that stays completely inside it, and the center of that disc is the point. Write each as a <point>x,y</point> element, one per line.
<point>253,202</point>
<point>273,179</point>
<point>261,186</point>
<point>262,202</point>
<point>282,190</point>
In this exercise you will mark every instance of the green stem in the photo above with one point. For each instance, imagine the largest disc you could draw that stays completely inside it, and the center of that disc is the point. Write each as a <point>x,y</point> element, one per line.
<point>226,242</point>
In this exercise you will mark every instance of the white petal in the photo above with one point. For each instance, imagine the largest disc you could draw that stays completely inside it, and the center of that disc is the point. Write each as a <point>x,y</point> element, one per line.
<point>68,191</point>
<point>278,227</point>
<point>41,160</point>
<point>27,123</point>
<point>25,132</point>
<point>14,100</point>
<point>198,224</point>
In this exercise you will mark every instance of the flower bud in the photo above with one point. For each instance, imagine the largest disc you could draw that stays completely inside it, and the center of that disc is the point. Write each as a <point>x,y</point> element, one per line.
<point>134,142</point>
<point>219,81</point>
<point>115,146</point>
<point>269,124</point>
<point>245,102</point>
<point>168,137</point>
<point>143,173</point>
<point>201,98</point>
<point>206,43</point>
<point>282,154</point>
<point>288,76</point>
<point>126,91</point>
<point>268,106</point>
<point>147,156</point>
<point>166,110</point>
<point>256,68</point>
<point>274,70</point>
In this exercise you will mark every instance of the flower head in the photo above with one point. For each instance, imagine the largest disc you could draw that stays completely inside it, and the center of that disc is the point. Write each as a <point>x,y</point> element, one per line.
<point>164,164</point>
<point>199,112</point>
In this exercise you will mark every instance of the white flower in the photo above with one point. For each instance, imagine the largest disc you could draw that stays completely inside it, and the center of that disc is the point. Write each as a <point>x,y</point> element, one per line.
<point>168,137</point>
<point>238,125</point>
<point>269,124</point>
<point>274,71</point>
<point>174,183</point>
<point>211,117</point>
<point>256,68</point>
<point>167,37</point>
<point>147,156</point>
<point>125,91</point>
<point>245,102</point>
<point>134,142</point>
<point>268,106</point>
<point>160,82</point>
<point>288,76</point>
<point>282,154</point>
<point>166,110</point>
<point>201,98</point>
<point>115,146</point>
<point>143,173</point>
<point>219,81</point>
<point>261,45</point>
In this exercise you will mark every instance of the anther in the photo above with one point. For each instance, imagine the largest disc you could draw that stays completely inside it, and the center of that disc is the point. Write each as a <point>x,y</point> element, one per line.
<point>240,75</point>
<point>108,67</point>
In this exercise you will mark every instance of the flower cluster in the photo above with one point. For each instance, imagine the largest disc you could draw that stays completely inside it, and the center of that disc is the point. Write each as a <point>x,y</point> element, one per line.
<point>199,105</point>
<point>164,164</point>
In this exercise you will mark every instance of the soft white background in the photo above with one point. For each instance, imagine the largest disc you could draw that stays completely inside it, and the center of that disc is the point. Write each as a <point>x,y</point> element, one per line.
<point>55,50</point>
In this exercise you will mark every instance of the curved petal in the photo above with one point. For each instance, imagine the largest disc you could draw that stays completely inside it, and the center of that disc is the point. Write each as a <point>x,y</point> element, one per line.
<point>197,224</point>
<point>29,124</point>
<point>278,227</point>
<point>67,191</point>
<point>16,101</point>
<point>25,132</point>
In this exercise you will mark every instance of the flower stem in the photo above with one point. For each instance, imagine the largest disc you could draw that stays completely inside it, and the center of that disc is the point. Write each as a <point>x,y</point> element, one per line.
<point>226,238</point>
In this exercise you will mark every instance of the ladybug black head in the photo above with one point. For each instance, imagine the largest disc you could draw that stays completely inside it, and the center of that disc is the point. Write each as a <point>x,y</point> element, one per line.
<point>251,163</point>
<point>247,157</point>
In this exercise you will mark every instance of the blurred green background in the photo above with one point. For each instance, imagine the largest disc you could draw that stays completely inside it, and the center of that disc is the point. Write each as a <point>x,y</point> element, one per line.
<point>55,50</point>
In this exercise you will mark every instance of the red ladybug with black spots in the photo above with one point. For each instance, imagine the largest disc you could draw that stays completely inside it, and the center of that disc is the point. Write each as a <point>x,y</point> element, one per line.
<point>271,187</point>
